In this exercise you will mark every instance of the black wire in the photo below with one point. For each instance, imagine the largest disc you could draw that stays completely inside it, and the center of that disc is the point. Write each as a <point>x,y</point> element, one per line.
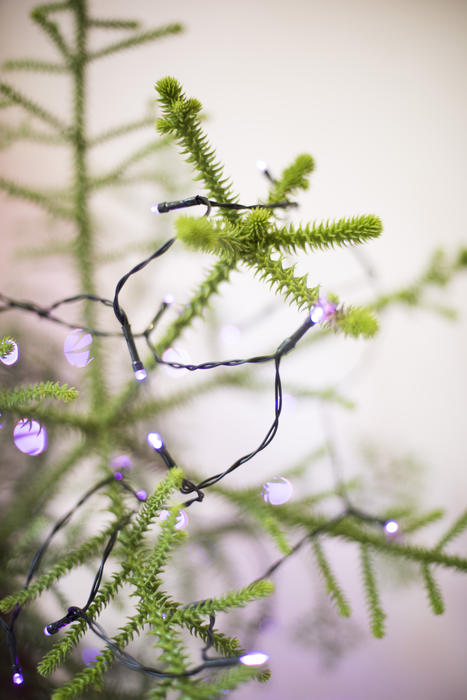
<point>116,306</point>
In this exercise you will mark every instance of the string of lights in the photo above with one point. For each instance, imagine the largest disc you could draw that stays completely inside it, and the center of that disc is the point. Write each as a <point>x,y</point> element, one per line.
<point>318,313</point>
<point>37,558</point>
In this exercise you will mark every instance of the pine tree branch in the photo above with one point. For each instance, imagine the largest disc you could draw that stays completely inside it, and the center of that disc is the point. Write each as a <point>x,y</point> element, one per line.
<point>137,40</point>
<point>41,199</point>
<point>22,396</point>
<point>120,131</point>
<point>33,108</point>
<point>39,15</point>
<point>433,591</point>
<point>112,23</point>
<point>181,119</point>
<point>332,587</point>
<point>377,616</point>
<point>32,64</point>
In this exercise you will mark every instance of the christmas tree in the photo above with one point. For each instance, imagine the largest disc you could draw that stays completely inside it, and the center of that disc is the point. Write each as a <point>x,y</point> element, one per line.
<point>83,506</point>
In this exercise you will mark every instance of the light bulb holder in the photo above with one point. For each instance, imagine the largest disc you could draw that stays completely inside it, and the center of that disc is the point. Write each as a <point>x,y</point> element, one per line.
<point>72,615</point>
<point>137,365</point>
<point>289,343</point>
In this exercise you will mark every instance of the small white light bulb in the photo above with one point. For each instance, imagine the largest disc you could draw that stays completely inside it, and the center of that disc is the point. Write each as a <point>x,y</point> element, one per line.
<point>155,441</point>
<point>253,658</point>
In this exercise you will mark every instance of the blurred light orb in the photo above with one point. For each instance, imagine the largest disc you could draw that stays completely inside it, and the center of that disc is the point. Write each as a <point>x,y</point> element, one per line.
<point>176,355</point>
<point>12,356</point>
<point>180,523</point>
<point>30,437</point>
<point>141,495</point>
<point>141,375</point>
<point>254,658</point>
<point>89,655</point>
<point>262,166</point>
<point>277,491</point>
<point>121,462</point>
<point>289,402</point>
<point>391,528</point>
<point>168,299</point>
<point>155,441</point>
<point>76,348</point>
<point>230,334</point>
<point>317,313</point>
<point>18,678</point>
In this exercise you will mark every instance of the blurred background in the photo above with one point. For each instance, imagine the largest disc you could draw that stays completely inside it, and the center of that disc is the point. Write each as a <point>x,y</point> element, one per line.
<point>376,92</point>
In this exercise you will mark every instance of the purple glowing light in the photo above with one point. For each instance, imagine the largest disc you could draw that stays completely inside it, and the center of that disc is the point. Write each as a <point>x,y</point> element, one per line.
<point>140,375</point>
<point>317,313</point>
<point>277,491</point>
<point>180,523</point>
<point>11,358</point>
<point>18,678</point>
<point>46,631</point>
<point>118,476</point>
<point>76,348</point>
<point>254,658</point>
<point>121,462</point>
<point>155,208</point>
<point>391,528</point>
<point>168,299</point>
<point>155,441</point>
<point>141,495</point>
<point>322,311</point>
<point>30,437</point>
<point>89,655</point>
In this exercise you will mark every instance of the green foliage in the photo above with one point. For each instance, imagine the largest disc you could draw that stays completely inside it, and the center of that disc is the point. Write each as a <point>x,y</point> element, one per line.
<point>377,616</point>
<point>111,420</point>
<point>433,591</point>
<point>19,397</point>
<point>332,587</point>
<point>293,178</point>
<point>6,346</point>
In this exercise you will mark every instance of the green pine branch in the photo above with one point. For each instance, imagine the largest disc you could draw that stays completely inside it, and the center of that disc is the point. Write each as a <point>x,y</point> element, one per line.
<point>377,616</point>
<point>137,40</point>
<point>22,396</point>
<point>433,591</point>
<point>332,587</point>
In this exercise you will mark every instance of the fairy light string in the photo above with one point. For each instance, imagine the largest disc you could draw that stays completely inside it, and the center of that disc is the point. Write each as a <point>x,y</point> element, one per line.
<point>319,312</point>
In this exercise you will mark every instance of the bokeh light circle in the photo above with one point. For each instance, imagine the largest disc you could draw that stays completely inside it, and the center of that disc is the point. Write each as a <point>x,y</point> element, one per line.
<point>30,437</point>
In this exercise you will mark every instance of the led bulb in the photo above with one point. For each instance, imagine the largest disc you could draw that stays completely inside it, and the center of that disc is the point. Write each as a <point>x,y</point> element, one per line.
<point>140,374</point>
<point>316,313</point>
<point>253,658</point>
<point>11,358</point>
<point>391,528</point>
<point>155,441</point>
<point>18,678</point>
<point>155,208</point>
